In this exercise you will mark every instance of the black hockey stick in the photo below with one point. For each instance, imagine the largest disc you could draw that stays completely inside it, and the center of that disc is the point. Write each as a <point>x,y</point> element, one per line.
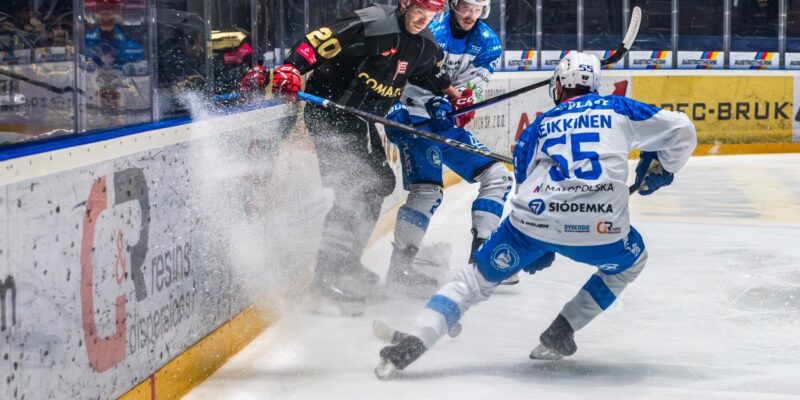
<point>45,85</point>
<point>387,122</point>
<point>627,42</point>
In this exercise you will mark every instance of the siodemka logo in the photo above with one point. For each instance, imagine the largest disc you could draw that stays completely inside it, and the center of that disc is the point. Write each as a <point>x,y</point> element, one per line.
<point>129,185</point>
<point>537,206</point>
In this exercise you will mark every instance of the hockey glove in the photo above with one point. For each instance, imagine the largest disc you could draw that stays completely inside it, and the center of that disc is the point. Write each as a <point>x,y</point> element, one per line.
<point>466,99</point>
<point>286,82</point>
<point>438,108</point>
<point>399,113</point>
<point>540,263</point>
<point>650,174</point>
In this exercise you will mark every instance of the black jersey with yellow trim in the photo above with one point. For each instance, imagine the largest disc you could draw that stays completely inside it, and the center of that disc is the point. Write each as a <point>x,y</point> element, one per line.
<point>365,59</point>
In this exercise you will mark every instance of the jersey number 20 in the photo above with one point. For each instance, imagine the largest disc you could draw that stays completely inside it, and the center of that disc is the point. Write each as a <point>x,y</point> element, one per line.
<point>561,172</point>
<point>321,40</point>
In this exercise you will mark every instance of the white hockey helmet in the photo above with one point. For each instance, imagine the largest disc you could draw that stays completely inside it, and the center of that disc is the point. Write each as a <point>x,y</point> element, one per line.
<point>576,71</point>
<point>487,5</point>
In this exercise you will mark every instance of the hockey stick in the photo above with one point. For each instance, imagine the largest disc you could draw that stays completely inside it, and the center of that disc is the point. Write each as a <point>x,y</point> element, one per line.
<point>45,85</point>
<point>387,122</point>
<point>627,42</point>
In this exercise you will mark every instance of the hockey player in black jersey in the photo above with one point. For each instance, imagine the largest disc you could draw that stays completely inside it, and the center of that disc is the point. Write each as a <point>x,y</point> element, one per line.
<point>362,60</point>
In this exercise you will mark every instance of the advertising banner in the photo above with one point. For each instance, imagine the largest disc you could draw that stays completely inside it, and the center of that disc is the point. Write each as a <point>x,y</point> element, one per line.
<point>520,60</point>
<point>550,59</point>
<point>604,54</point>
<point>755,60</point>
<point>491,124</point>
<point>725,109</point>
<point>792,60</point>
<point>111,269</point>
<point>701,59</point>
<point>656,59</point>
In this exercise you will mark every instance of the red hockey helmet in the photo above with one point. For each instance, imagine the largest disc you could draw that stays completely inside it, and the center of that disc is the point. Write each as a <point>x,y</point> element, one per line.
<point>433,5</point>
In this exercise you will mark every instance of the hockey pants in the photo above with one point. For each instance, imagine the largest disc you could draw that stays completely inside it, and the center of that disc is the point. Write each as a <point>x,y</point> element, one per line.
<point>422,161</point>
<point>352,162</point>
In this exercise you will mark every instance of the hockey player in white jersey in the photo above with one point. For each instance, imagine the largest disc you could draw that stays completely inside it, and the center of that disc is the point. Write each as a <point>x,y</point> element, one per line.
<point>572,199</point>
<point>472,51</point>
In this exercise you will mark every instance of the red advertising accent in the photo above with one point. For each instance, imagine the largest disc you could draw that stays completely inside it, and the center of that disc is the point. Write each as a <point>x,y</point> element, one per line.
<point>106,352</point>
<point>524,122</point>
<point>390,52</point>
<point>620,88</point>
<point>307,52</point>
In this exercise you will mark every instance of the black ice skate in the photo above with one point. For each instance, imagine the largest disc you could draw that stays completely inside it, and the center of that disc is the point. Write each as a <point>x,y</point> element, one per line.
<point>556,342</point>
<point>404,278</point>
<point>399,356</point>
<point>343,291</point>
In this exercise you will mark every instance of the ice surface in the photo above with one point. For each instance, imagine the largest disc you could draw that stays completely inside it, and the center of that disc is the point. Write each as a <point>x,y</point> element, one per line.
<point>714,315</point>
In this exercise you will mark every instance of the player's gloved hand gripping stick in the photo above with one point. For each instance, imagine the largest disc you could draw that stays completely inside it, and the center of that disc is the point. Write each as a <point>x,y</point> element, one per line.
<point>627,42</point>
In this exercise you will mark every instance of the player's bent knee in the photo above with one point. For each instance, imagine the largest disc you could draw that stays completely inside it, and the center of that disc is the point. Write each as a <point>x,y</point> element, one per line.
<point>425,198</point>
<point>495,175</point>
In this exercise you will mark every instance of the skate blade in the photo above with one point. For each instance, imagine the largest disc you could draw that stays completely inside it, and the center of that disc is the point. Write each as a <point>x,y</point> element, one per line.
<point>510,281</point>
<point>455,330</point>
<point>545,354</point>
<point>382,331</point>
<point>325,306</point>
<point>385,370</point>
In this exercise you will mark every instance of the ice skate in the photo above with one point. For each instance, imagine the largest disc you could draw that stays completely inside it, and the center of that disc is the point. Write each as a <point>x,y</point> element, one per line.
<point>403,278</point>
<point>390,335</point>
<point>342,293</point>
<point>556,342</point>
<point>399,356</point>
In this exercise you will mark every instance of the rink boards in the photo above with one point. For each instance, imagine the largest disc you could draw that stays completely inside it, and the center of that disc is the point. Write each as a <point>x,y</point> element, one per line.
<point>110,261</point>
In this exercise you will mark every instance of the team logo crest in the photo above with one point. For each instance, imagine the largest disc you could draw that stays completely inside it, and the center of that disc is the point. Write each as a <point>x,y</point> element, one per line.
<point>435,156</point>
<point>390,52</point>
<point>402,66</point>
<point>505,257</point>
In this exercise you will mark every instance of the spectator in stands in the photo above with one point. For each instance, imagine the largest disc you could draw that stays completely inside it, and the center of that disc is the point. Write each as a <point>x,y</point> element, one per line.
<point>106,43</point>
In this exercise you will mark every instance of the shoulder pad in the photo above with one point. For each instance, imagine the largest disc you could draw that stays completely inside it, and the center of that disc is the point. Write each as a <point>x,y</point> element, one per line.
<point>378,19</point>
<point>635,110</point>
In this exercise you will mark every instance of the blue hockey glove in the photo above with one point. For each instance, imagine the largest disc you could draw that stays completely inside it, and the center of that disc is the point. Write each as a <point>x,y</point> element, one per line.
<point>540,263</point>
<point>438,108</point>
<point>650,174</point>
<point>399,113</point>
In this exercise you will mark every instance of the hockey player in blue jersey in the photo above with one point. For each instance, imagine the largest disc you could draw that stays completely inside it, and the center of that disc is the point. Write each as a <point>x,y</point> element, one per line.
<point>572,166</point>
<point>472,50</point>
